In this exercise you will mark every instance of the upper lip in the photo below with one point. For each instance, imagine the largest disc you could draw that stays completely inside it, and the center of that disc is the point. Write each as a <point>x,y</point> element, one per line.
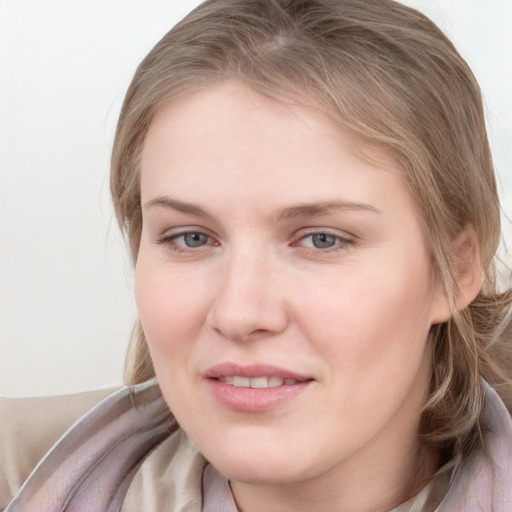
<point>251,371</point>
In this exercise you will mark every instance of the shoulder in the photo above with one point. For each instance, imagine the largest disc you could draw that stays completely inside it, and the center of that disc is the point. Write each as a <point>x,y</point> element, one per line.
<point>483,481</point>
<point>28,429</point>
<point>130,442</point>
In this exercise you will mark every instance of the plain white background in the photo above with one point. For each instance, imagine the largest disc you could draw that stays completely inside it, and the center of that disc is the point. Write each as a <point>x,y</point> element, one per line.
<point>66,306</point>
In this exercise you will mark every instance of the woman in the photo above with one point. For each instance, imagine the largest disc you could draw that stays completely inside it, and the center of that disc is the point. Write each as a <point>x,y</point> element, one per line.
<point>309,197</point>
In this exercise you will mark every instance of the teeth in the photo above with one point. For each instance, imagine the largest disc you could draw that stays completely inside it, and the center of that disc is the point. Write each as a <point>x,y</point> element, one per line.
<point>273,382</point>
<point>257,382</point>
<point>241,382</point>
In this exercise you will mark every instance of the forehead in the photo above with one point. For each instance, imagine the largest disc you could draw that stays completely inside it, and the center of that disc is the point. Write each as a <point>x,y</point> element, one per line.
<point>256,145</point>
<point>235,105</point>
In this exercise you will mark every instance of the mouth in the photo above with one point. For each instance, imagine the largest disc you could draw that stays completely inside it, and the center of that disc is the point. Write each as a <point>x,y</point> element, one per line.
<point>254,388</point>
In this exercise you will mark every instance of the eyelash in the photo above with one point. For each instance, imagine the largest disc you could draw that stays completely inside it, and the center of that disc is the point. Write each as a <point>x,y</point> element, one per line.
<point>170,241</point>
<point>341,243</point>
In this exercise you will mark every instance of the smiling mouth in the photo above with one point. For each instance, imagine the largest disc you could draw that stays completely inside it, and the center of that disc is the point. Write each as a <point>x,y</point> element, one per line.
<point>239,381</point>
<point>254,388</point>
<point>256,394</point>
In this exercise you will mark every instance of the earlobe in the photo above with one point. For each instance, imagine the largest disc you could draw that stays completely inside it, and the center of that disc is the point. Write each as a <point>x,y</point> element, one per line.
<point>468,270</point>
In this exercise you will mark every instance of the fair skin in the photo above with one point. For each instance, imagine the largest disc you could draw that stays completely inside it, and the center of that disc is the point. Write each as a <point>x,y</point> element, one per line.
<point>271,250</point>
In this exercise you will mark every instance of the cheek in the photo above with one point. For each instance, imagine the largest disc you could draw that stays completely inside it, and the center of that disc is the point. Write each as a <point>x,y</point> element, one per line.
<point>363,320</point>
<point>170,304</point>
<point>172,316</point>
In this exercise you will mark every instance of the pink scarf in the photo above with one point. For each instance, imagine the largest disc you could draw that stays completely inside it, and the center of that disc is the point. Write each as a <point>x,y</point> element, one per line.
<point>91,467</point>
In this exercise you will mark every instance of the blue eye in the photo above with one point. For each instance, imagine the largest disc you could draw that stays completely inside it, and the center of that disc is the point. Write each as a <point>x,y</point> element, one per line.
<point>193,239</point>
<point>188,240</point>
<point>324,240</point>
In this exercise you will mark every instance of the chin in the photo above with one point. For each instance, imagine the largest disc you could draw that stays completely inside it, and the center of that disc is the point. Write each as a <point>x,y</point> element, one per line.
<point>259,472</point>
<point>256,464</point>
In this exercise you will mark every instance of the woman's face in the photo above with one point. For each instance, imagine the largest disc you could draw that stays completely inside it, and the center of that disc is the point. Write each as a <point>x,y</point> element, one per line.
<point>284,287</point>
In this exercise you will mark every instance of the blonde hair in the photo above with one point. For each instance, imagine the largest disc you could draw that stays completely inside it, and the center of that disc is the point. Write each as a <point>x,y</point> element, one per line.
<point>390,76</point>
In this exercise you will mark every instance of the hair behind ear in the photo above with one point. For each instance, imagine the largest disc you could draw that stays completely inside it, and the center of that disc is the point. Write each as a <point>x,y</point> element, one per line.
<point>138,366</point>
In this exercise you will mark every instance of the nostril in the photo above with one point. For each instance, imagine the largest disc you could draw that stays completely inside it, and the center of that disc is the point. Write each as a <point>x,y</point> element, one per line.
<point>258,333</point>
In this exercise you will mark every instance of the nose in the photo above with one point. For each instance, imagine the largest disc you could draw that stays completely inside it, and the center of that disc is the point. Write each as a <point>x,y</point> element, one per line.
<point>249,303</point>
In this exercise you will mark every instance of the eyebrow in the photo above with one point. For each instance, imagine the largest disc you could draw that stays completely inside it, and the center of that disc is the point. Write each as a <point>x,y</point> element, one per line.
<point>290,212</point>
<point>180,206</point>
<point>323,208</point>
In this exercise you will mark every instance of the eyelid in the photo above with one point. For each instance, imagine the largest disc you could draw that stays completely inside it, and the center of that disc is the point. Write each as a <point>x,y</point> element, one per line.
<point>169,237</point>
<point>344,239</point>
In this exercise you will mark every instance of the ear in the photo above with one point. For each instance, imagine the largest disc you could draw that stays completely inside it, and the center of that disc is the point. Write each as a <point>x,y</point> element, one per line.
<point>467,273</point>
<point>468,270</point>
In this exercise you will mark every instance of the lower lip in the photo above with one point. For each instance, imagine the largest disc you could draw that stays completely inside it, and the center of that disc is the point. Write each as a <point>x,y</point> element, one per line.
<point>255,399</point>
